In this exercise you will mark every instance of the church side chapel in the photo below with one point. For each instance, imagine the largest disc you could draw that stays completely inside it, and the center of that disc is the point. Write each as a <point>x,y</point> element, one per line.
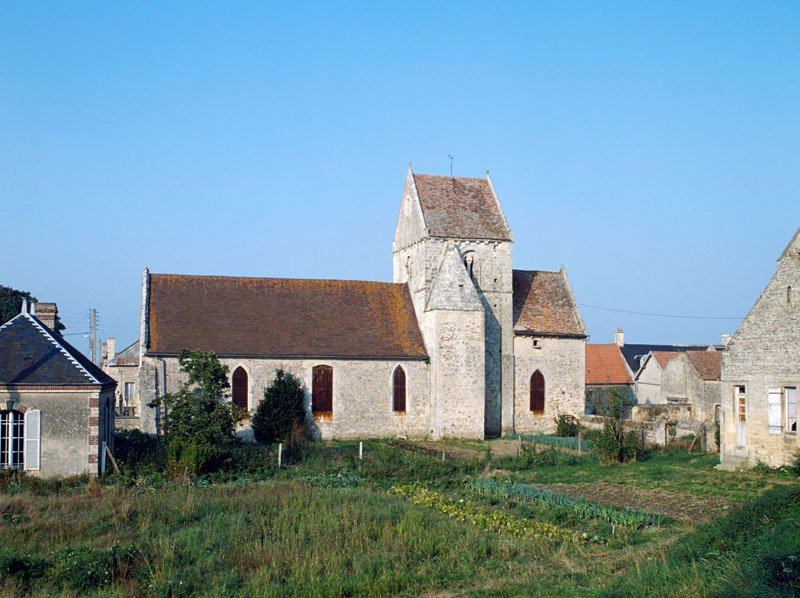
<point>459,345</point>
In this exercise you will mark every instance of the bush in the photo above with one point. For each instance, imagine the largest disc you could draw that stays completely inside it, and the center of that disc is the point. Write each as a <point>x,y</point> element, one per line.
<point>133,448</point>
<point>280,414</point>
<point>566,425</point>
<point>612,446</point>
<point>795,464</point>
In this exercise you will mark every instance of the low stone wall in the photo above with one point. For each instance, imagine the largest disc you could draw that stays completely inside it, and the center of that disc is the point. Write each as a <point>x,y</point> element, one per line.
<point>670,412</point>
<point>660,432</point>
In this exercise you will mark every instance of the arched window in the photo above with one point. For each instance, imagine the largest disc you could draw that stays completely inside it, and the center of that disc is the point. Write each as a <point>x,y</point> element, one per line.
<point>239,385</point>
<point>537,392</point>
<point>399,386</point>
<point>322,389</point>
<point>12,438</point>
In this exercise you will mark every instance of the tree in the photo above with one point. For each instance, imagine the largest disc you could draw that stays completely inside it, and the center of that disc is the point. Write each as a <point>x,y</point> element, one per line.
<point>198,420</point>
<point>280,410</point>
<point>11,305</point>
<point>612,445</point>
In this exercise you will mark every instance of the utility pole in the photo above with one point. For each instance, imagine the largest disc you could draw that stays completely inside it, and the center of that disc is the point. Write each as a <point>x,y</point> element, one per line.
<point>94,336</point>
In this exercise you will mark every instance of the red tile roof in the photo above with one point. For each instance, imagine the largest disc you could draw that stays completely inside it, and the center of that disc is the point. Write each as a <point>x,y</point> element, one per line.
<point>707,363</point>
<point>543,304</point>
<point>282,317</point>
<point>459,207</point>
<point>664,357</point>
<point>604,365</point>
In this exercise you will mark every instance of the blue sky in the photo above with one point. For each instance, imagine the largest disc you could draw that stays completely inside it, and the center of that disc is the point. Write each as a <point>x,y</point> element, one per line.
<point>651,148</point>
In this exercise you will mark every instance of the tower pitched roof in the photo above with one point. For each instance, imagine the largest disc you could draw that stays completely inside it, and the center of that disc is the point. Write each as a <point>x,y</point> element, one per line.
<point>33,354</point>
<point>461,207</point>
<point>281,317</point>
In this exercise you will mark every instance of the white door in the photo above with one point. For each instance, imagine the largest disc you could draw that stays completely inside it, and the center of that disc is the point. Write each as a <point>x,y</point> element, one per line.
<point>740,409</point>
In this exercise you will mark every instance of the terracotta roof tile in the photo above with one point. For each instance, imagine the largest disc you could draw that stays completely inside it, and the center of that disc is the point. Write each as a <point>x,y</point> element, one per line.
<point>542,304</point>
<point>707,363</point>
<point>282,317</point>
<point>664,357</point>
<point>604,365</point>
<point>459,207</point>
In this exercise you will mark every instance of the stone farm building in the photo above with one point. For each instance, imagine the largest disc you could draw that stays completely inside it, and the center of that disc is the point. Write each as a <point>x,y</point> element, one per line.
<point>459,345</point>
<point>761,373</point>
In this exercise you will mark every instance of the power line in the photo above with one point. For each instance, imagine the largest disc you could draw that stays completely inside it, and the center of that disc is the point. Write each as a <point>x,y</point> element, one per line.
<point>644,313</point>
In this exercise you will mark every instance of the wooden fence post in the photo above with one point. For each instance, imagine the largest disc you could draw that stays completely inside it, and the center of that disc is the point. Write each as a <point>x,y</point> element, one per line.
<point>442,448</point>
<point>280,453</point>
<point>360,450</point>
<point>580,452</point>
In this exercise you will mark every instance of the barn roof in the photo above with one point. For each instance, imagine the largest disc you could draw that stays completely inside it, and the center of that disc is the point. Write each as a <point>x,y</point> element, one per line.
<point>543,304</point>
<point>281,317</point>
<point>604,365</point>
<point>460,207</point>
<point>33,354</point>
<point>707,363</point>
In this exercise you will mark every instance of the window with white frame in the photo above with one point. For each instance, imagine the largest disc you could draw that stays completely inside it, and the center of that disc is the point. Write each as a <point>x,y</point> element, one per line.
<point>129,390</point>
<point>791,409</point>
<point>12,439</point>
<point>774,407</point>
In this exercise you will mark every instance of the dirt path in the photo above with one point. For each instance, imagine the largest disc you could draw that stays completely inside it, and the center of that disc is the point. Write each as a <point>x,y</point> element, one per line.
<point>672,503</point>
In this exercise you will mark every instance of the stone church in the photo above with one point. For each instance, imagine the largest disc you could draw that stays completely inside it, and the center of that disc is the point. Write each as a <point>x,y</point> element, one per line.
<point>459,345</point>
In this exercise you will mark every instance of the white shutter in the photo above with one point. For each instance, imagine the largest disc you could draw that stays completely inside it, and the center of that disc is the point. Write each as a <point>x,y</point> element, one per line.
<point>791,409</point>
<point>33,421</point>
<point>774,405</point>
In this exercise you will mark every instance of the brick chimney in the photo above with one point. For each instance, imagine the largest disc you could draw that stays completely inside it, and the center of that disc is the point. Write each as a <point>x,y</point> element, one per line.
<point>619,337</point>
<point>46,313</point>
<point>111,349</point>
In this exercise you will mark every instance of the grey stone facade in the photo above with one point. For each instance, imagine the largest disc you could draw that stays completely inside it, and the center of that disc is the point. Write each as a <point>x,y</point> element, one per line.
<point>764,354</point>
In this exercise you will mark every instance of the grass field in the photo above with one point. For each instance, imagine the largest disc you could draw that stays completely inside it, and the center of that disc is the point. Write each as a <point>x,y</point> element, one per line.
<point>485,522</point>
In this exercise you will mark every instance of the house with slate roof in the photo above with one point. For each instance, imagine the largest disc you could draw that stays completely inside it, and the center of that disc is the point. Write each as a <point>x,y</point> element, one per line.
<point>761,373</point>
<point>57,407</point>
<point>459,345</point>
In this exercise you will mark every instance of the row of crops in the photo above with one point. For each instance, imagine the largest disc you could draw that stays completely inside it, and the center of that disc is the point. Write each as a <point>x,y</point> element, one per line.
<point>566,442</point>
<point>579,507</point>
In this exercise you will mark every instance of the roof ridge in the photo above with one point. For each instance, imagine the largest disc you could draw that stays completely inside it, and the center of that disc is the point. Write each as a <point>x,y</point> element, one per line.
<point>229,277</point>
<point>49,335</point>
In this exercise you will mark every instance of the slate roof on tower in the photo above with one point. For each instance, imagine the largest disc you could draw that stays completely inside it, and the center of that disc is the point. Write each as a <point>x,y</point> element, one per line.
<point>543,304</point>
<point>32,354</point>
<point>281,317</point>
<point>460,207</point>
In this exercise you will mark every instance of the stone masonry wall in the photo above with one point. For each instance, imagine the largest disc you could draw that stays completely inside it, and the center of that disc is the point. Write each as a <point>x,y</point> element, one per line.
<point>418,265</point>
<point>362,393</point>
<point>562,363</point>
<point>457,374</point>
<point>764,353</point>
<point>65,447</point>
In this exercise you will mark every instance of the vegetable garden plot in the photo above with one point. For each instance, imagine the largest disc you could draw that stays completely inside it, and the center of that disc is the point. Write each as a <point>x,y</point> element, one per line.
<point>577,506</point>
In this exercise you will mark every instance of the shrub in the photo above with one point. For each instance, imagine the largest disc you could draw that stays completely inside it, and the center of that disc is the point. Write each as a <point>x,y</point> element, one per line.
<point>795,464</point>
<point>566,425</point>
<point>280,411</point>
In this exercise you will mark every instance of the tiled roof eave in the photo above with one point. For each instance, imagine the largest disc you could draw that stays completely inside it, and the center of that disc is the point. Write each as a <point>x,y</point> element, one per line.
<point>518,332</point>
<point>267,356</point>
<point>23,386</point>
<point>475,238</point>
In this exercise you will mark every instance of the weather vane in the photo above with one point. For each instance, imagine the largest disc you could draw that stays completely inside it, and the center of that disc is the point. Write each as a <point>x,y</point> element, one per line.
<point>451,156</point>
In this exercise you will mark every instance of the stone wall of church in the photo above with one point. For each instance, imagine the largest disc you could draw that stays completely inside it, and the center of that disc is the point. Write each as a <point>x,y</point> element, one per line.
<point>457,373</point>
<point>562,363</point>
<point>490,262</point>
<point>764,353</point>
<point>362,393</point>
